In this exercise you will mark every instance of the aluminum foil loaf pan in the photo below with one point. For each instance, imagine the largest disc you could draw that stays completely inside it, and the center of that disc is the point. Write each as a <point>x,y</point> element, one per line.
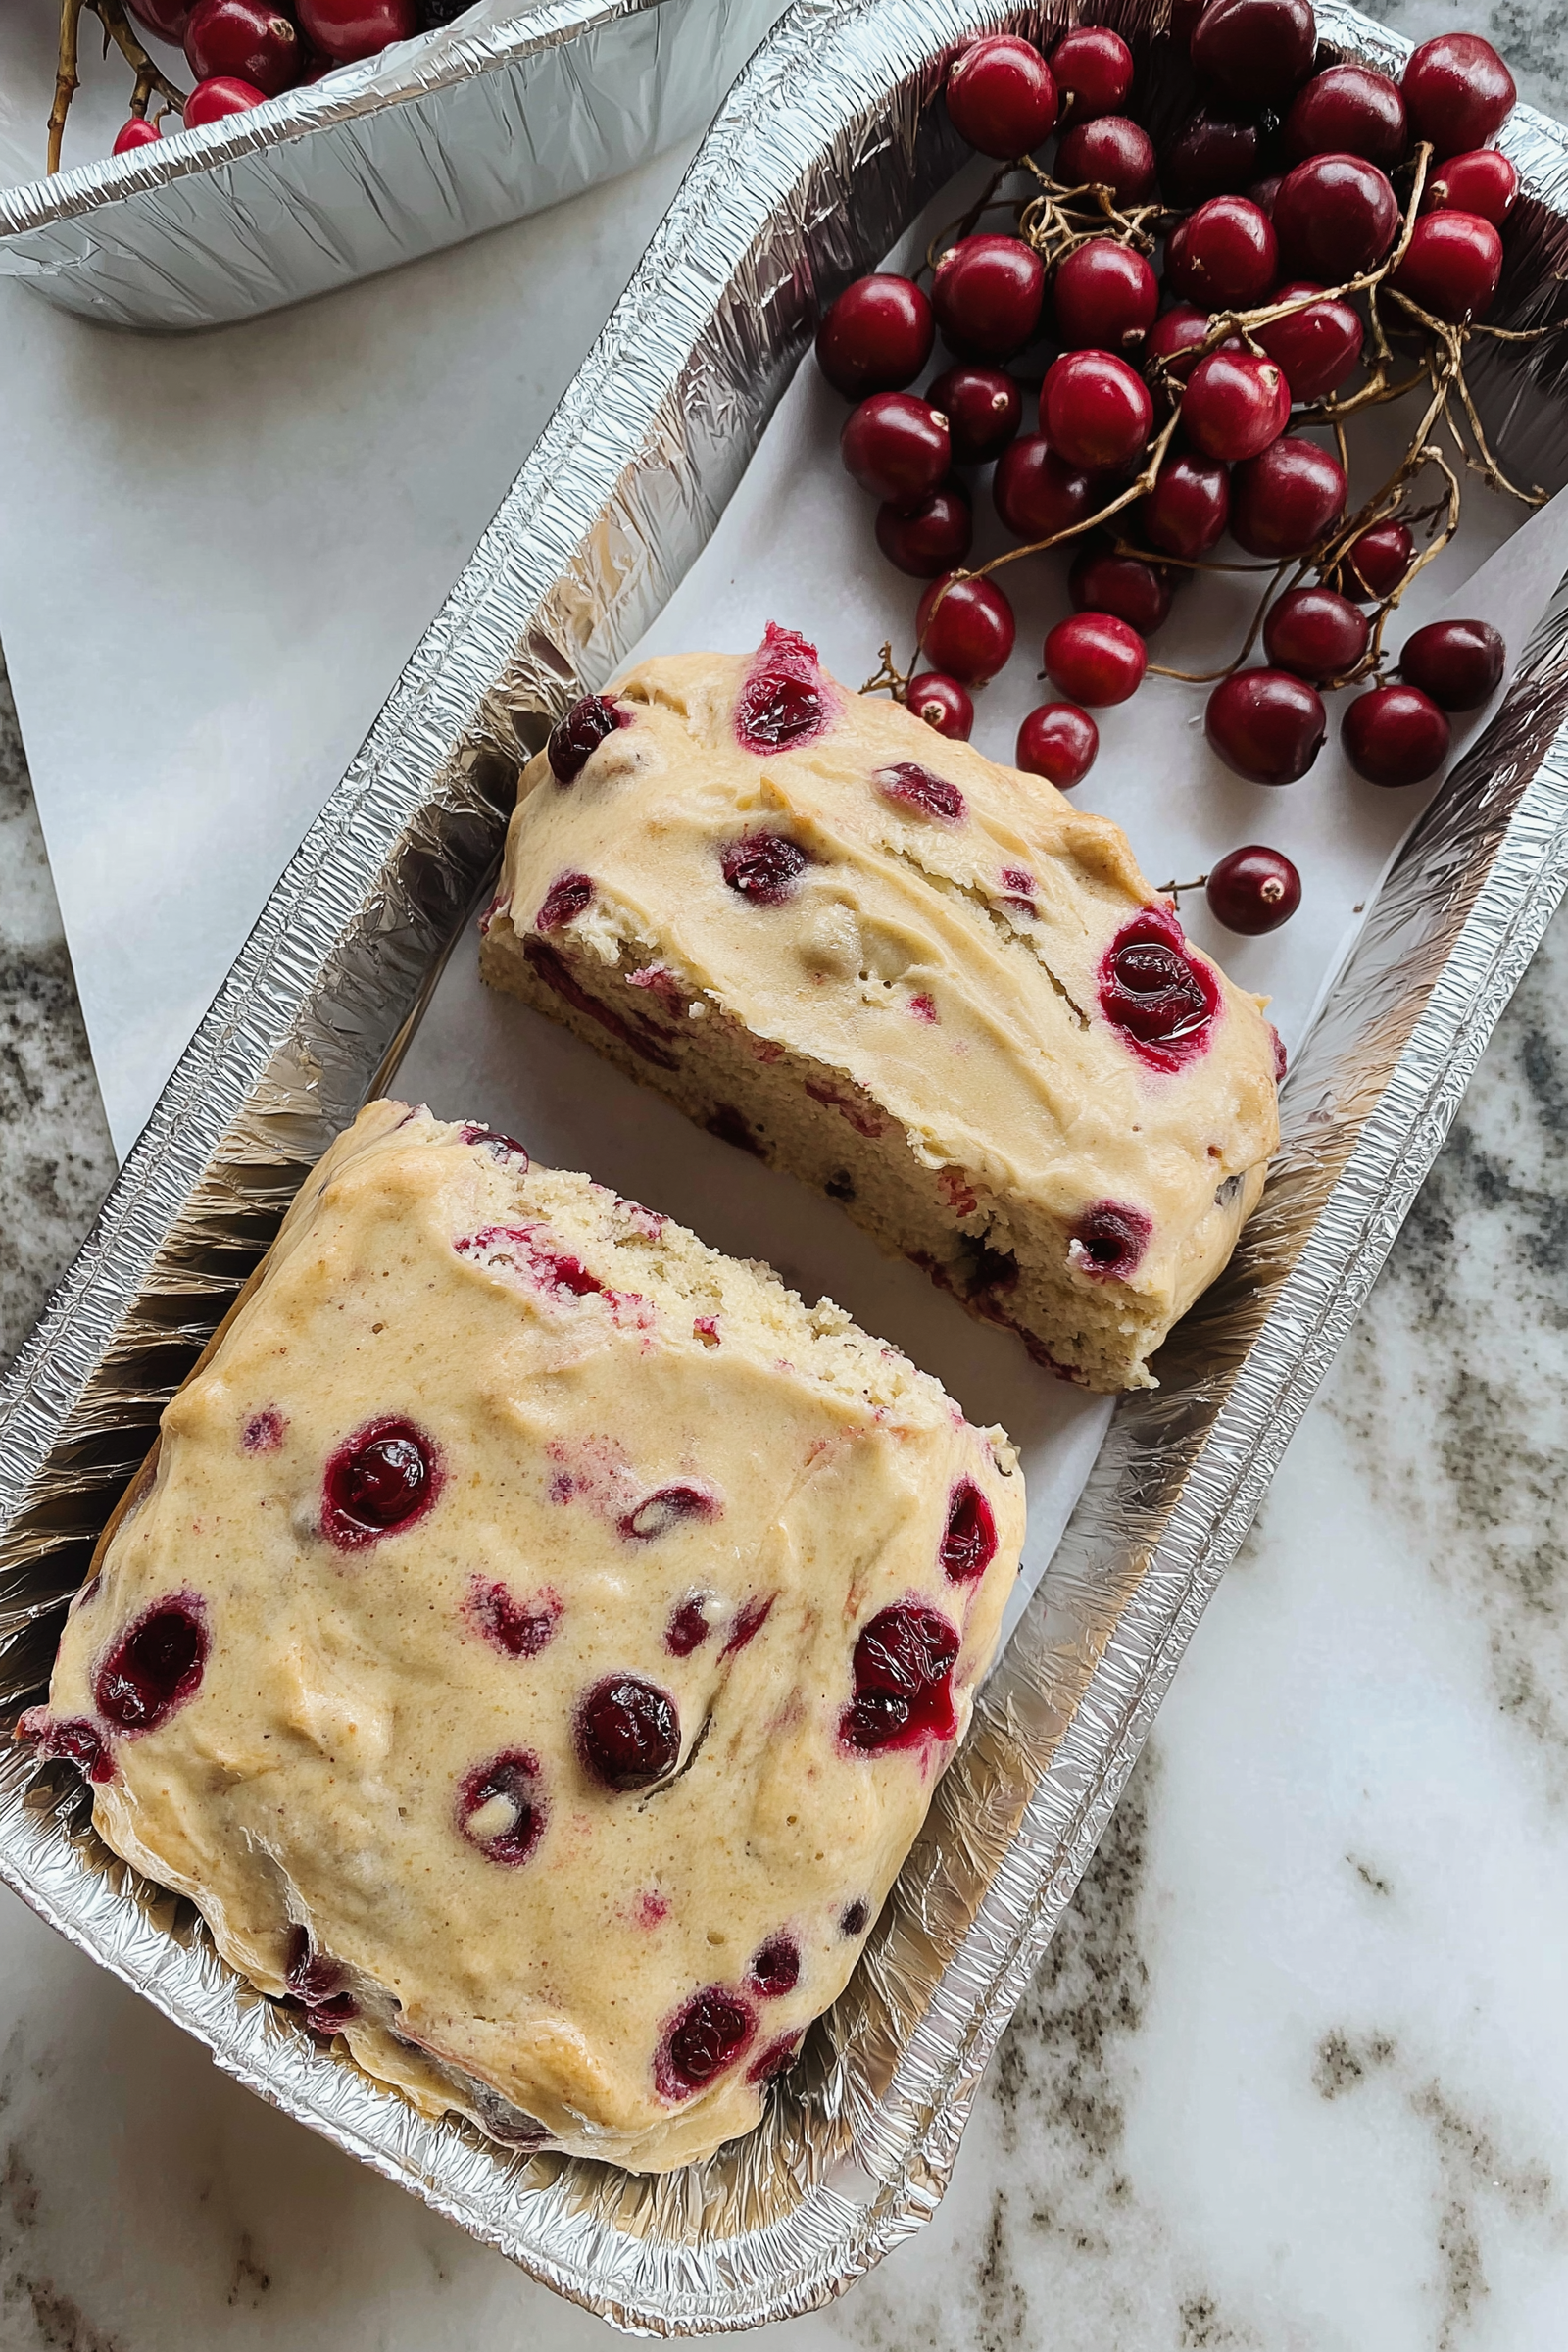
<point>832,142</point>
<point>507,110</point>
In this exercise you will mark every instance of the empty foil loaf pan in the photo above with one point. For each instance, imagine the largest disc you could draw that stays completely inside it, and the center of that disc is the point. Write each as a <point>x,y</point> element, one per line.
<point>828,146</point>
<point>507,110</point>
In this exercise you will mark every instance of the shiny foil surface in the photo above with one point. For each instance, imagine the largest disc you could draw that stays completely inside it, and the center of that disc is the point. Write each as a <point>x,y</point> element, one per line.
<point>831,142</point>
<point>510,109</point>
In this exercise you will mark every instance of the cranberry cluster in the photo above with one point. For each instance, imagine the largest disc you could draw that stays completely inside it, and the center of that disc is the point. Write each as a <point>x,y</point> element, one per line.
<point>1299,219</point>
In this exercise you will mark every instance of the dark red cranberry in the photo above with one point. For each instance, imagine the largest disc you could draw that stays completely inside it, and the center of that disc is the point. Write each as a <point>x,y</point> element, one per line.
<point>505,1150</point>
<point>1457,92</point>
<point>1001,96</point>
<point>1102,581</point>
<point>1225,256</point>
<point>896,446</point>
<point>1104,297</point>
<point>1212,154</point>
<point>569,895</point>
<point>1151,986</point>
<point>1263,192</point>
<point>1235,405</point>
<point>707,2035</point>
<point>1094,659</point>
<point>167,19</point>
<point>500,1806</point>
<point>876,337</point>
<point>517,1629</point>
<point>1175,336</point>
<point>250,38</point>
<point>1451,265</point>
<point>1253,890</point>
<point>752,1615</point>
<point>347,30</point>
<point>224,94</point>
<point>1334,215</point>
<point>908,785</point>
<point>987,294</point>
<point>628,1731</point>
<point>318,1979</point>
<point>1458,663</point>
<point>764,868</point>
<point>574,741</point>
<point>667,1508</point>
<point>155,1666</point>
<point>1266,726</point>
<point>775,1970</point>
<point>1317,347</point>
<point>970,1538</point>
<point>1483,182</point>
<point>775,2060</point>
<point>1110,1240</point>
<point>1108,153</point>
<point>1058,742</point>
<point>688,1628</point>
<point>1256,50</point>
<point>1284,498</point>
<point>1184,16</point>
<point>969,633</point>
<point>1395,735</point>
<point>1347,110</point>
<point>1376,562</point>
<point>855,1918</point>
<point>1187,510</point>
<point>781,705</point>
<point>984,409</point>
<point>943,704</point>
<point>134,133</point>
<point>1316,634</point>
<point>1095,411</point>
<point>1037,493</point>
<point>928,537</point>
<point>387,1476</point>
<point>68,1739</point>
<point>1093,70</point>
<point>903,1667</point>
<point>264,1432</point>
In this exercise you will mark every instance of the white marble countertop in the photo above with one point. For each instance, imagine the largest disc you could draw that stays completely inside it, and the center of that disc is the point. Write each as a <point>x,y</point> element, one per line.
<point>1294,2074</point>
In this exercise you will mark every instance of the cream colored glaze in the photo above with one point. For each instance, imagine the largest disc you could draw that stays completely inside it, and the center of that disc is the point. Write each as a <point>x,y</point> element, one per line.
<point>311,1778</point>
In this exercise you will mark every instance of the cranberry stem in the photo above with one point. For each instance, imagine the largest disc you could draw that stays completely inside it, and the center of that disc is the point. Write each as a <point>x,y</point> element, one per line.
<point>111,15</point>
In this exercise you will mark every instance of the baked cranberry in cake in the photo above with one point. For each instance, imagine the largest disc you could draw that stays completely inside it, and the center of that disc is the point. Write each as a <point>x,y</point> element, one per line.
<point>500,1147</point>
<point>628,1731</point>
<point>264,1432</point>
<point>501,1808</point>
<point>750,1619</point>
<point>903,1670</point>
<point>688,1628</point>
<point>908,785</point>
<point>1109,1240</point>
<point>643,1038</point>
<point>853,1918</point>
<point>765,869</point>
<point>706,2037</point>
<point>155,1666</point>
<point>782,704</point>
<point>776,1968</point>
<point>1154,991</point>
<point>517,1629</point>
<point>667,1509</point>
<point>567,898</point>
<point>969,1543</point>
<point>775,2060</point>
<point>69,1741</point>
<point>386,1477</point>
<point>318,1979</point>
<point>574,743</point>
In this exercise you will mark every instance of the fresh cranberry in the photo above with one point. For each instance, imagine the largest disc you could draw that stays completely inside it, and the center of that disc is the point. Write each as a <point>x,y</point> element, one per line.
<point>1058,742</point>
<point>347,30</point>
<point>500,1807</point>
<point>1092,70</point>
<point>517,1629</point>
<point>1001,96</point>
<point>628,1731</point>
<point>1102,581</point>
<point>903,1667</point>
<point>1235,405</point>
<point>210,101</point>
<point>1038,493</point>
<point>704,2039</point>
<point>1347,110</point>
<point>1109,1240</point>
<point>68,1739</point>
<point>1483,182</point>
<point>387,1476</point>
<point>1458,663</point>
<point>1184,16</point>
<point>943,704</point>
<point>167,19</point>
<point>1175,338</point>
<point>1256,50</point>
<point>1457,91</point>
<point>970,633</point>
<point>876,337</point>
<point>987,294</point>
<point>896,446</point>
<point>1094,659</point>
<point>1151,986</point>
<point>1212,154</point>
<point>970,1538</point>
<point>1225,256</point>
<point>1451,265</point>
<point>764,868</point>
<point>984,409</point>
<point>1317,347</point>
<point>1263,192</point>
<point>1186,511</point>
<point>782,704</point>
<point>1266,726</point>
<point>1105,297</point>
<point>574,740</point>
<point>1376,562</point>
<point>1253,890</point>
<point>908,785</point>
<point>1108,153</point>
<point>775,1970</point>
<point>688,1628</point>
<point>1334,215</point>
<point>853,1918</point>
<point>1316,634</point>
<point>929,537</point>
<point>1285,498</point>
<point>137,132</point>
<point>250,39</point>
<point>155,1666</point>
<point>568,896</point>
<point>667,1508</point>
<point>1395,735</point>
<point>1095,411</point>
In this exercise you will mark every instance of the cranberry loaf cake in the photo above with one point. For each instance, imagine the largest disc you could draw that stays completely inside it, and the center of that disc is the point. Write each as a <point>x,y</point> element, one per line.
<point>534,1642</point>
<point>923,982</point>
